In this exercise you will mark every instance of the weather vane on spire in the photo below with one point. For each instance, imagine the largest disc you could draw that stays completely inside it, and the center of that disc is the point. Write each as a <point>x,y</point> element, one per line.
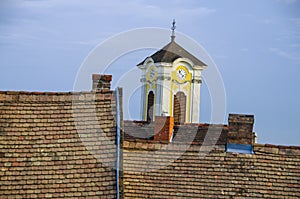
<point>173,30</point>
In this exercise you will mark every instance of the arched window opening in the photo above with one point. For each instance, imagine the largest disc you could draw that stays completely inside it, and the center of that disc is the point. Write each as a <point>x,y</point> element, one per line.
<point>179,108</point>
<point>150,107</point>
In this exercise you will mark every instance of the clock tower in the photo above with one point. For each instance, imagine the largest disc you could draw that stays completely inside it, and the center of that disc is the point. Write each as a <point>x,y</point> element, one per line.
<point>171,80</point>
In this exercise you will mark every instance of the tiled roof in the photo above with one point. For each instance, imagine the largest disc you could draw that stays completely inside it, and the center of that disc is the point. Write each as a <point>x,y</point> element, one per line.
<point>45,145</point>
<point>62,145</point>
<point>160,170</point>
<point>171,52</point>
<point>188,133</point>
<point>138,130</point>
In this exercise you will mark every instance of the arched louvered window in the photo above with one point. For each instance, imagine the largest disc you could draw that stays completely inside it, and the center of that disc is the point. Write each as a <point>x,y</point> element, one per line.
<point>179,108</point>
<point>150,107</point>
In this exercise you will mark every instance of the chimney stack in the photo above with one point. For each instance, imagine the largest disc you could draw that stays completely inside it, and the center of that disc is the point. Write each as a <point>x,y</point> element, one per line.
<point>163,128</point>
<point>240,136</point>
<point>101,82</point>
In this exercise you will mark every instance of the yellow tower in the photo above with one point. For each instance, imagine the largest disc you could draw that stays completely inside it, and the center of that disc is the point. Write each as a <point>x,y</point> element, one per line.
<point>171,79</point>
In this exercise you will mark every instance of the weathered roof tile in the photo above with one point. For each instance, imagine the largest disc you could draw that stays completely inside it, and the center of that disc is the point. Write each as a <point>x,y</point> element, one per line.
<point>41,152</point>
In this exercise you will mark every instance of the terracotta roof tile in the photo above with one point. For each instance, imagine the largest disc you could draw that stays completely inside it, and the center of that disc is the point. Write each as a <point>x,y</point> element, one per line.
<point>172,171</point>
<point>42,153</point>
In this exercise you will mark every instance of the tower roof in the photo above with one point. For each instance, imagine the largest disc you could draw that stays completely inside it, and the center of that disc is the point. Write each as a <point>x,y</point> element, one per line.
<point>171,52</point>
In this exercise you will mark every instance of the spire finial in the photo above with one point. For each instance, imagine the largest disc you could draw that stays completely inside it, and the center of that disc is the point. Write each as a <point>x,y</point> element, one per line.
<point>173,30</point>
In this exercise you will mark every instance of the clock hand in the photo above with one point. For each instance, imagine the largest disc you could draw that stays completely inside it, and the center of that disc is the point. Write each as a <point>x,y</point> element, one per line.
<point>180,72</point>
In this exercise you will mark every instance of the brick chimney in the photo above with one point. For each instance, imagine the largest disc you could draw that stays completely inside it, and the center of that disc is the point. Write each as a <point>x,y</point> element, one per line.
<point>240,137</point>
<point>240,129</point>
<point>163,128</point>
<point>101,82</point>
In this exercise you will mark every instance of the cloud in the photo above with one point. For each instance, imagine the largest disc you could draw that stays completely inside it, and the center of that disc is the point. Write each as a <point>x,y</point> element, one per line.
<point>288,1</point>
<point>38,3</point>
<point>92,42</point>
<point>137,9</point>
<point>110,9</point>
<point>200,11</point>
<point>268,21</point>
<point>219,56</point>
<point>291,30</point>
<point>295,21</point>
<point>290,56</point>
<point>28,21</point>
<point>294,45</point>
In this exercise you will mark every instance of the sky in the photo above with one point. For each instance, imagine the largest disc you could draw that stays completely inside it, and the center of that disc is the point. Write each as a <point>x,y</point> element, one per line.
<point>255,45</point>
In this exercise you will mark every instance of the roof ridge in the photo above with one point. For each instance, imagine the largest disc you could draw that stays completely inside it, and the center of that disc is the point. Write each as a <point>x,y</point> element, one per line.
<point>24,96</point>
<point>8,92</point>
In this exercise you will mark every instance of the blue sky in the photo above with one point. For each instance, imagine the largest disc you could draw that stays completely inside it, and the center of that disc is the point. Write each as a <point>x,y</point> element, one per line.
<point>254,43</point>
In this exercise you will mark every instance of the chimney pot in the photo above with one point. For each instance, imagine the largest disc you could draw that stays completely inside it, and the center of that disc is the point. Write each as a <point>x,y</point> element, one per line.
<point>101,82</point>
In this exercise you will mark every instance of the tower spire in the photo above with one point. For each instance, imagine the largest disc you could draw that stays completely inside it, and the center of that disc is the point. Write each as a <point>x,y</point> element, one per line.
<point>173,30</point>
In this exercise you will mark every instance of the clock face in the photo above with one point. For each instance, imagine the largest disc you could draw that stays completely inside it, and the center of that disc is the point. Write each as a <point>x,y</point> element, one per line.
<point>181,74</point>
